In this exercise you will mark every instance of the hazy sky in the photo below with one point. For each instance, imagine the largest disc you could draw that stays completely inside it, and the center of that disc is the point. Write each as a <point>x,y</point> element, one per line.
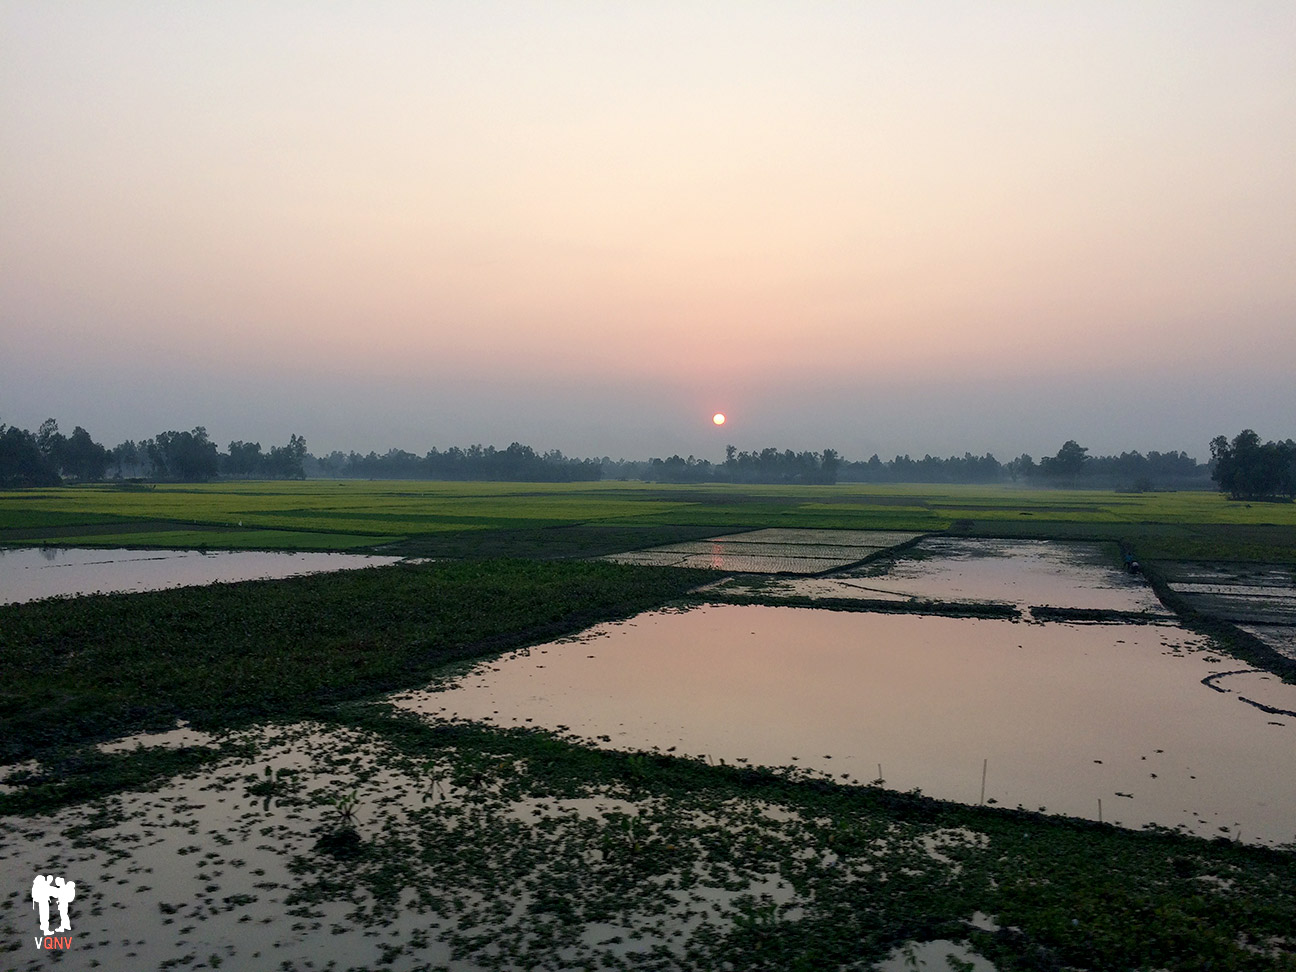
<point>876,226</point>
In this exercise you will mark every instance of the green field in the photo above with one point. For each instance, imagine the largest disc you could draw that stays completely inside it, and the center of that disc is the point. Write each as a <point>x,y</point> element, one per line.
<point>583,519</point>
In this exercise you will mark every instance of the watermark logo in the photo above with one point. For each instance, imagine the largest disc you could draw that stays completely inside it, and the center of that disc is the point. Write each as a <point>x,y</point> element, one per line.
<point>47,889</point>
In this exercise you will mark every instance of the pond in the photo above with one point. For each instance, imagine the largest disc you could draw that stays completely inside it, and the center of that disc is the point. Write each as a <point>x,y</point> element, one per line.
<point>1083,720</point>
<point>30,573</point>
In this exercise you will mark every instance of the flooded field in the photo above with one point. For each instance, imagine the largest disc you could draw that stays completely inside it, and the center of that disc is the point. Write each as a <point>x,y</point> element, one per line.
<point>1022,573</point>
<point>1258,598</point>
<point>1058,716</point>
<point>771,551</point>
<point>255,863</point>
<point>432,842</point>
<point>30,573</point>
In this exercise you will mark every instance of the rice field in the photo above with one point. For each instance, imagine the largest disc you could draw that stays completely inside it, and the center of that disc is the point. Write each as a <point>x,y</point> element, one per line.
<point>772,551</point>
<point>451,519</point>
<point>302,822</point>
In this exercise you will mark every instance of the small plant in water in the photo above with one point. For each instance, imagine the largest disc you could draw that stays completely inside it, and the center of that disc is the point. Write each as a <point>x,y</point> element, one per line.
<point>345,804</point>
<point>342,840</point>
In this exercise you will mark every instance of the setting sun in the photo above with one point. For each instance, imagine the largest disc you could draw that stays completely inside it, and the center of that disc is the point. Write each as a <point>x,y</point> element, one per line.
<point>718,418</point>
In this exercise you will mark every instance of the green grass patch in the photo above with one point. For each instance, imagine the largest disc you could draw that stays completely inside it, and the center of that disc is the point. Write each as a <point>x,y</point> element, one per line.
<point>102,665</point>
<point>413,511</point>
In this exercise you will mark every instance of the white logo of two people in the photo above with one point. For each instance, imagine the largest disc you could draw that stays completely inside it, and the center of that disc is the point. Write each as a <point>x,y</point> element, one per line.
<point>46,889</point>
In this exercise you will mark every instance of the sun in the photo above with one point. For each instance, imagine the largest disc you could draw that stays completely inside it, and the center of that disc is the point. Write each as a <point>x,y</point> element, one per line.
<point>718,418</point>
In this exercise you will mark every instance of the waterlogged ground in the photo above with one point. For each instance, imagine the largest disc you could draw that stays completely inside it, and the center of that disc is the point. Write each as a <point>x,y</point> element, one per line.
<point>31,573</point>
<point>1060,716</point>
<point>1258,598</point>
<point>318,847</point>
<point>632,831</point>
<point>1022,573</point>
<point>771,551</point>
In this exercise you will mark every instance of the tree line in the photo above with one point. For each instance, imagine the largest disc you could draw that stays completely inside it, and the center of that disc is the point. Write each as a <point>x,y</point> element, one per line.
<point>1072,466</point>
<point>47,458</point>
<point>1248,469</point>
<point>1245,468</point>
<point>767,466</point>
<point>517,463</point>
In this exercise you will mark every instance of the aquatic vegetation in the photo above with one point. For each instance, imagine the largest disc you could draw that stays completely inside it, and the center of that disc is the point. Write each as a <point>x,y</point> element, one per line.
<point>545,854</point>
<point>95,667</point>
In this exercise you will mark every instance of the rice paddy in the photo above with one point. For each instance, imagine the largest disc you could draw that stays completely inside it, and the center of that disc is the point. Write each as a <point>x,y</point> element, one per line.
<point>771,551</point>
<point>447,519</point>
<point>285,815</point>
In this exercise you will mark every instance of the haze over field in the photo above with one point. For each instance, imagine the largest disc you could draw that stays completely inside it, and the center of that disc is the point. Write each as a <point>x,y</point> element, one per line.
<point>880,227</point>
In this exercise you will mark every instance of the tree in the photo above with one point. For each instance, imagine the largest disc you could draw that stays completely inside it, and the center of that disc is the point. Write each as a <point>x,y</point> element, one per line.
<point>84,458</point>
<point>244,459</point>
<point>828,465</point>
<point>21,461</point>
<point>51,441</point>
<point>1069,462</point>
<point>127,458</point>
<point>1247,469</point>
<point>184,456</point>
<point>286,461</point>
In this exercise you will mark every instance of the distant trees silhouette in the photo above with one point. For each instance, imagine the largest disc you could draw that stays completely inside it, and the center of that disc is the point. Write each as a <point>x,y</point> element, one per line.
<point>245,460</point>
<point>517,463</point>
<point>767,466</point>
<point>1072,466</point>
<point>46,457</point>
<point>1248,469</point>
<point>1245,468</point>
<point>188,457</point>
<point>21,461</point>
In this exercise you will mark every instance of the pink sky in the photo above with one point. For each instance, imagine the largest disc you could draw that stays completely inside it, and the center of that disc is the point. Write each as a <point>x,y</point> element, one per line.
<point>876,226</point>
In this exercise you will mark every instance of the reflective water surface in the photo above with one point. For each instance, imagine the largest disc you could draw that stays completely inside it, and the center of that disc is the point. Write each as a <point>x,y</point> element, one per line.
<point>1025,573</point>
<point>1058,716</point>
<point>30,573</point>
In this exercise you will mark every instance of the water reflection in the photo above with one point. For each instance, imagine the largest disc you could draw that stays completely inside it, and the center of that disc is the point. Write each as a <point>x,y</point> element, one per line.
<point>1024,573</point>
<point>29,573</point>
<point>1062,716</point>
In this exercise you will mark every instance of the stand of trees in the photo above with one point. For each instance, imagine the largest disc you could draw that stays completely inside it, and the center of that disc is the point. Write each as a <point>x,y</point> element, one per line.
<point>766,466</point>
<point>48,456</point>
<point>1072,466</point>
<point>1248,469</point>
<point>247,461</point>
<point>517,463</point>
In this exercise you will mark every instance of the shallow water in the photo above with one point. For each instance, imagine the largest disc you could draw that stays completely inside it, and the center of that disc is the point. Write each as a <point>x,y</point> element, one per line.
<point>1060,716</point>
<point>30,573</point>
<point>222,867</point>
<point>1024,573</point>
<point>771,551</point>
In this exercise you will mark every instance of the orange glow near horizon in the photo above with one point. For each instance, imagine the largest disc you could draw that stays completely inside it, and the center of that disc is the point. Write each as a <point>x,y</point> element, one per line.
<point>754,202</point>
